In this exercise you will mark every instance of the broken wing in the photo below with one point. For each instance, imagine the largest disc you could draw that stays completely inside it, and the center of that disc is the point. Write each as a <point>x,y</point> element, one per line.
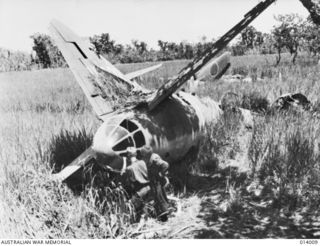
<point>200,62</point>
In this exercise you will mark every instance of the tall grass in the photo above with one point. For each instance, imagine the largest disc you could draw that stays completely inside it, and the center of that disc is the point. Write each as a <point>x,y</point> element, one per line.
<point>39,107</point>
<point>33,206</point>
<point>284,155</point>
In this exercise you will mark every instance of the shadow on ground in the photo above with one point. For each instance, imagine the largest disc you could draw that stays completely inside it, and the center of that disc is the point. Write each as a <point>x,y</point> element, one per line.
<point>249,221</point>
<point>238,214</point>
<point>228,211</point>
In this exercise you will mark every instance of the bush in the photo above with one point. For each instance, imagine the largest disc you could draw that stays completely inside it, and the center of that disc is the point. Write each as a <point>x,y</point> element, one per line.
<point>15,61</point>
<point>255,102</point>
<point>47,54</point>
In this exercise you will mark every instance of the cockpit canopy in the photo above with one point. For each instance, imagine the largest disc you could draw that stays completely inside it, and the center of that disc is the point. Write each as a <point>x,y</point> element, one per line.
<point>116,135</point>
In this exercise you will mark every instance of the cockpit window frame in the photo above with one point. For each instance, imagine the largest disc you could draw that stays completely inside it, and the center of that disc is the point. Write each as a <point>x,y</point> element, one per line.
<point>131,126</point>
<point>129,139</point>
<point>134,127</point>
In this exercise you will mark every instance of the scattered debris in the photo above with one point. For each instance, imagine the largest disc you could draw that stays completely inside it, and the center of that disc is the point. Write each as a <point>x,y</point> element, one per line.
<point>291,101</point>
<point>237,78</point>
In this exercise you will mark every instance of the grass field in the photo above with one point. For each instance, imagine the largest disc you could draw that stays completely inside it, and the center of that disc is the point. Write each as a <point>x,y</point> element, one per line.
<point>275,195</point>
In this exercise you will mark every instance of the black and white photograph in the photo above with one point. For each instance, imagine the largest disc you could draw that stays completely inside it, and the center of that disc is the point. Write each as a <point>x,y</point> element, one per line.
<point>159,119</point>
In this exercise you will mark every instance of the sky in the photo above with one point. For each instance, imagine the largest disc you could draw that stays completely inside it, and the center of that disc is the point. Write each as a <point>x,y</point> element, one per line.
<point>125,20</point>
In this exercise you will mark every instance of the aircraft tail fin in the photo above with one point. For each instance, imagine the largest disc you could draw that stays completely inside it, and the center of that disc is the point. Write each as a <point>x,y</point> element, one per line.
<point>96,76</point>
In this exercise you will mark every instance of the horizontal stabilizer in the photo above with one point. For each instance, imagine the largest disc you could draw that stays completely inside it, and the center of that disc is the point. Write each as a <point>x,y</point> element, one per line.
<point>138,73</point>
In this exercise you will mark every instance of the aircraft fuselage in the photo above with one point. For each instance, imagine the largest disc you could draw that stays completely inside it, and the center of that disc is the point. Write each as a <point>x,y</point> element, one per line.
<point>172,129</point>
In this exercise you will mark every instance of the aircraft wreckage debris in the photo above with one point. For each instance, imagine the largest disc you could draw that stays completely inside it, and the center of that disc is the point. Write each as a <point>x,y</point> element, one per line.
<point>291,101</point>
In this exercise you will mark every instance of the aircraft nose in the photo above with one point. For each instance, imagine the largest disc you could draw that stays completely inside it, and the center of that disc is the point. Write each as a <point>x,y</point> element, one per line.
<point>102,143</point>
<point>113,138</point>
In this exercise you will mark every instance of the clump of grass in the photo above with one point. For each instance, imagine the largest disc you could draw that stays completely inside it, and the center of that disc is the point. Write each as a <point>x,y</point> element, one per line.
<point>66,146</point>
<point>220,140</point>
<point>315,108</point>
<point>242,70</point>
<point>234,202</point>
<point>255,101</point>
<point>50,210</point>
<point>284,155</point>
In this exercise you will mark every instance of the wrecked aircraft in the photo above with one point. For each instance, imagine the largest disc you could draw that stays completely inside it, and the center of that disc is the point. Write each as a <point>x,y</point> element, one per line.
<point>172,123</point>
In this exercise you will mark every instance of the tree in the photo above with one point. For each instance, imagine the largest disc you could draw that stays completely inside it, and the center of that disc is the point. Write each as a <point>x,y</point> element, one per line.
<point>185,50</point>
<point>288,34</point>
<point>311,34</point>
<point>188,51</point>
<point>238,49</point>
<point>47,54</point>
<point>251,38</point>
<point>140,46</point>
<point>166,50</point>
<point>103,44</point>
<point>14,60</point>
<point>267,47</point>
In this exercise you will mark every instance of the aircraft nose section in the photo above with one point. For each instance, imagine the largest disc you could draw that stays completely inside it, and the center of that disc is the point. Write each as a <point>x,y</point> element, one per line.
<point>102,143</point>
<point>115,135</point>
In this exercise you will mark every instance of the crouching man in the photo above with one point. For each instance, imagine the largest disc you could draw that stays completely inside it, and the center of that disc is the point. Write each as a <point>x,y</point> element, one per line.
<point>158,171</point>
<point>146,178</point>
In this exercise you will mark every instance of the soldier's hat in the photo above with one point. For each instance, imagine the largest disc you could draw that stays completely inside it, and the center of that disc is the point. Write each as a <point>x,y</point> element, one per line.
<point>146,151</point>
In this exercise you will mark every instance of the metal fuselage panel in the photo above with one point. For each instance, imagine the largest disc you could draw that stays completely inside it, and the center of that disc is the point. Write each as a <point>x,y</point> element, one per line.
<point>177,124</point>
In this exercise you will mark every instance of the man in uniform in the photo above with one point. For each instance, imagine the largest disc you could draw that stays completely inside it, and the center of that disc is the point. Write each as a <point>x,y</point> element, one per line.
<point>158,170</point>
<point>136,179</point>
<point>146,176</point>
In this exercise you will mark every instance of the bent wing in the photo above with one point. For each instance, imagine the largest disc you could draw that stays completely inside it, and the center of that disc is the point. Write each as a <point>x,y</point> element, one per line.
<point>199,62</point>
<point>215,68</point>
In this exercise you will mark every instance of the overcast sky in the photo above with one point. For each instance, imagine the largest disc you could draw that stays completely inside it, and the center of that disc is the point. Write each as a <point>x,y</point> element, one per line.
<point>146,20</point>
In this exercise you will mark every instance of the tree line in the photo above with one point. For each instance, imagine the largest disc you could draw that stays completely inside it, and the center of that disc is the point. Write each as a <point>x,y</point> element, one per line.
<point>292,34</point>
